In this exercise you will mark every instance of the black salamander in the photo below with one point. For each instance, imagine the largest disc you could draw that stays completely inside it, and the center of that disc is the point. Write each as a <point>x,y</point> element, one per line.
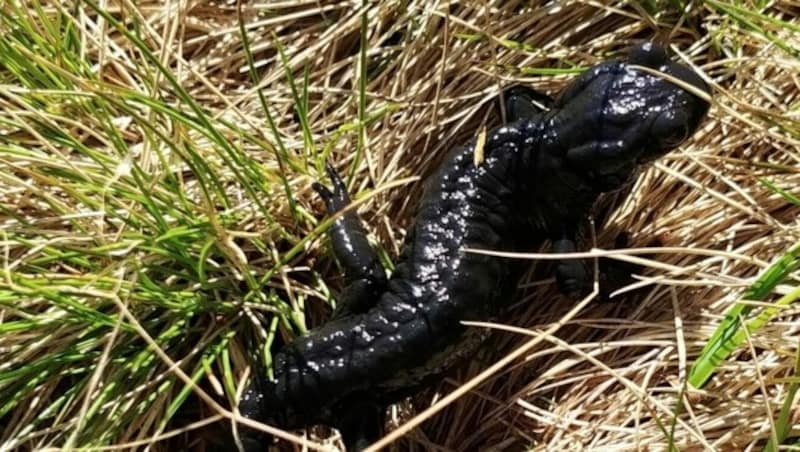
<point>540,175</point>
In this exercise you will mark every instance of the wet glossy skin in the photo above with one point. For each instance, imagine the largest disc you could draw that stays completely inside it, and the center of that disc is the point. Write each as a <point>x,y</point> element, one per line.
<point>540,176</point>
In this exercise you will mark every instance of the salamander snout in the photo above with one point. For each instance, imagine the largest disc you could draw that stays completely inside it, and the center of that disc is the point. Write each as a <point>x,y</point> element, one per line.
<point>682,110</point>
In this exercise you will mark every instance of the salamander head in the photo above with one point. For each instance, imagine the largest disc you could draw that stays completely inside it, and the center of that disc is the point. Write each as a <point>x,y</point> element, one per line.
<point>616,116</point>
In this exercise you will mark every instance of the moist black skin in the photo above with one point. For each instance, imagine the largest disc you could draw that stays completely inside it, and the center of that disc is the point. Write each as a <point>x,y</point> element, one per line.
<point>540,176</point>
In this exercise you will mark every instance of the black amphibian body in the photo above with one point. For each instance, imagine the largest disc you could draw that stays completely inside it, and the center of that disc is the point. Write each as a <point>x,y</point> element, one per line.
<point>539,176</point>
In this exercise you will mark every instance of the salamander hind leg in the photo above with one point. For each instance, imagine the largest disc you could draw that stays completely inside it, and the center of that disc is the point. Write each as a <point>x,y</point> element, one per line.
<point>522,102</point>
<point>365,276</point>
<point>255,404</point>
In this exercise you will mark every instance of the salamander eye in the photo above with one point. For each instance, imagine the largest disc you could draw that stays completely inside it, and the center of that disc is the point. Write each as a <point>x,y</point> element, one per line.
<point>670,129</point>
<point>677,136</point>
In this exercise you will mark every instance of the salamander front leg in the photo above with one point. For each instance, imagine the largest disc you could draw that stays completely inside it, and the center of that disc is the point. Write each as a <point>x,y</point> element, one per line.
<point>572,275</point>
<point>366,277</point>
<point>522,102</point>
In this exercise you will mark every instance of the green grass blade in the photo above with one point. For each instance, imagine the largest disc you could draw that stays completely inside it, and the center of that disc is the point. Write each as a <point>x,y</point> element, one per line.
<point>729,334</point>
<point>783,425</point>
<point>300,99</point>
<point>785,194</point>
<point>757,22</point>
<point>281,153</point>
<point>362,91</point>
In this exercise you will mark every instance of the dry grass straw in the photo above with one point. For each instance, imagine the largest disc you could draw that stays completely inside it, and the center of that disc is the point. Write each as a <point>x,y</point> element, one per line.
<point>609,377</point>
